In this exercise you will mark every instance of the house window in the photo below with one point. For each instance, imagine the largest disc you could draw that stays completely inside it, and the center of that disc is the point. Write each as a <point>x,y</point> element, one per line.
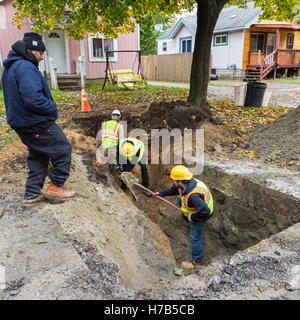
<point>186,45</point>
<point>164,45</point>
<point>98,47</point>
<point>53,35</point>
<point>257,42</point>
<point>221,39</point>
<point>290,41</point>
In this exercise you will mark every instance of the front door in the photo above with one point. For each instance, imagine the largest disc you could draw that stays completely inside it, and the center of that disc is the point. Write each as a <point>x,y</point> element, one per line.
<point>271,38</point>
<point>55,44</point>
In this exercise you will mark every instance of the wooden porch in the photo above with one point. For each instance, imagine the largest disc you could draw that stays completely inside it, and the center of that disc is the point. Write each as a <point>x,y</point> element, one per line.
<point>259,67</point>
<point>275,56</point>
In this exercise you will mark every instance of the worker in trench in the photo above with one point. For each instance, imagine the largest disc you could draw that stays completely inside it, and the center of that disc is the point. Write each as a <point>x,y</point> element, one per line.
<point>110,135</point>
<point>196,204</point>
<point>132,153</point>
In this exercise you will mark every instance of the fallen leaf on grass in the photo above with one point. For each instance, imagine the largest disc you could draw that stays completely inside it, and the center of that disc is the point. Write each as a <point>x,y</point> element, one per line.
<point>11,254</point>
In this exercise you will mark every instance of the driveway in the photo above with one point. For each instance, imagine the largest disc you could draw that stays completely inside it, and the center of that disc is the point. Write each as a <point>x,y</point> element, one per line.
<point>282,93</point>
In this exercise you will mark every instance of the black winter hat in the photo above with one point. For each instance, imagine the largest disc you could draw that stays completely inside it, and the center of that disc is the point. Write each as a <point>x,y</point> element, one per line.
<point>34,41</point>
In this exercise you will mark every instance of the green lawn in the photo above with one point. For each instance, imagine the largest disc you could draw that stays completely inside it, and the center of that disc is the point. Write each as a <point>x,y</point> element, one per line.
<point>1,99</point>
<point>7,134</point>
<point>285,80</point>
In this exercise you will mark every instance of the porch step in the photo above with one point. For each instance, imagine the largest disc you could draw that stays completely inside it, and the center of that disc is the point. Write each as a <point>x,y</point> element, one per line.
<point>70,88</point>
<point>253,75</point>
<point>63,84</point>
<point>254,72</point>
<point>68,82</point>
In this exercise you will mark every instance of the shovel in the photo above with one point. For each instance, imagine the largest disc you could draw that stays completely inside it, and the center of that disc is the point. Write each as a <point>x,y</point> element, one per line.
<point>133,194</point>
<point>128,184</point>
<point>130,180</point>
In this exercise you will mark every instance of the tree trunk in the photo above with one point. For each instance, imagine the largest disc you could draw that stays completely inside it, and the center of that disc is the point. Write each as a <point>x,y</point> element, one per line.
<point>207,16</point>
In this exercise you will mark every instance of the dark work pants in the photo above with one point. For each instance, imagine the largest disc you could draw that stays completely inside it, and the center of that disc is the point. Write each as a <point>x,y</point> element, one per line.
<point>51,144</point>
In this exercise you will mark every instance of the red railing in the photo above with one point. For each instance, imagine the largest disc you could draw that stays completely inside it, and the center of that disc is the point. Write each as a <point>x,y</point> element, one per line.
<point>268,64</point>
<point>288,58</point>
<point>281,58</point>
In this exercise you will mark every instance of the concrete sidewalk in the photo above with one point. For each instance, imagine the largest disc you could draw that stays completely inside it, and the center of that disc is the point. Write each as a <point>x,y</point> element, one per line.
<point>280,86</point>
<point>282,93</point>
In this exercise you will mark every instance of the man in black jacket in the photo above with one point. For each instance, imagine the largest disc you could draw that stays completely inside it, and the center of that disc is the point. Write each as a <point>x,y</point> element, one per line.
<point>196,204</point>
<point>31,112</point>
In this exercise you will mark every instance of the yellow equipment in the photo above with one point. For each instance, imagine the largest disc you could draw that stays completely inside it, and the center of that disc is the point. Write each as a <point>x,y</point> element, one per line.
<point>125,78</point>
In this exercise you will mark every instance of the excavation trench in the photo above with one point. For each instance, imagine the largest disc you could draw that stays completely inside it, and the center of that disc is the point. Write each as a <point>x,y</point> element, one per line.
<point>245,212</point>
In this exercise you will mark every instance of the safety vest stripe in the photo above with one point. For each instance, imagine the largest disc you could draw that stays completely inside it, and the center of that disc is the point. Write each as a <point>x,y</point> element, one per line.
<point>206,197</point>
<point>116,129</point>
<point>200,190</point>
<point>114,134</point>
<point>108,136</point>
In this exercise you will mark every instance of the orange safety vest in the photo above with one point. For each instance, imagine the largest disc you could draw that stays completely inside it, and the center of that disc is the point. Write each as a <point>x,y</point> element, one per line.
<point>202,189</point>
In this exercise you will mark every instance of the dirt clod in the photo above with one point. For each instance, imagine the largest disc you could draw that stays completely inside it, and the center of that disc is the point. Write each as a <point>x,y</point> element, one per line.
<point>175,114</point>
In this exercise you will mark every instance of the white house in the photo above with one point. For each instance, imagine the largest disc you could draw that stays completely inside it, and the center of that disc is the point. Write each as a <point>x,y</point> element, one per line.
<point>227,43</point>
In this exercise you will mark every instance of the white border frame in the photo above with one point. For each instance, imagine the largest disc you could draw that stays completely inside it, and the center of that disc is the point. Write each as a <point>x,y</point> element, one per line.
<point>67,52</point>
<point>90,47</point>
<point>67,56</point>
<point>221,43</point>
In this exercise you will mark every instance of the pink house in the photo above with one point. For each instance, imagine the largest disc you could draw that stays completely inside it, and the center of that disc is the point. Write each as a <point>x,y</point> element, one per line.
<point>65,51</point>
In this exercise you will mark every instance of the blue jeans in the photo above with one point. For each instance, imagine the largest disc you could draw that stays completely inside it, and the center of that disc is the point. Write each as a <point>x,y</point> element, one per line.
<point>196,228</point>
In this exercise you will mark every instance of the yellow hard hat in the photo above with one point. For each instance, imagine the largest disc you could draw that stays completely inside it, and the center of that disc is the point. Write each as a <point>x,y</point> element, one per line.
<point>181,173</point>
<point>128,149</point>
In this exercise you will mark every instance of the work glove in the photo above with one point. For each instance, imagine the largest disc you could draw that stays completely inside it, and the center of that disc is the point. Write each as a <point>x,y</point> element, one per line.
<point>156,194</point>
<point>117,168</point>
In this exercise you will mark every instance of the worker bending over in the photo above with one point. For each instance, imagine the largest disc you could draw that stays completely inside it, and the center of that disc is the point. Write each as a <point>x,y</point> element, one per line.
<point>196,204</point>
<point>132,153</point>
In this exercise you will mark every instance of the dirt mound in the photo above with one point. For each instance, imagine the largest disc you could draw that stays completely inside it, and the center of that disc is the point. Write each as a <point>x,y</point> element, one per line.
<point>174,114</point>
<point>279,142</point>
<point>183,115</point>
<point>220,135</point>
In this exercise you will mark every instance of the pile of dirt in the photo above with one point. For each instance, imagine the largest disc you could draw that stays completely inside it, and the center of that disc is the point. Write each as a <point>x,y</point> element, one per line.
<point>174,114</point>
<point>279,142</point>
<point>183,115</point>
<point>11,154</point>
<point>220,135</point>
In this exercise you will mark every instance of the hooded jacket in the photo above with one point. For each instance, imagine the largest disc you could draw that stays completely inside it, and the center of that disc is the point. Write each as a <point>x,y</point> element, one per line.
<point>28,100</point>
<point>195,200</point>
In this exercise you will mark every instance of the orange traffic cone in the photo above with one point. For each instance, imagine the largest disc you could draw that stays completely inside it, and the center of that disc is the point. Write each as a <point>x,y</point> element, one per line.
<point>85,106</point>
